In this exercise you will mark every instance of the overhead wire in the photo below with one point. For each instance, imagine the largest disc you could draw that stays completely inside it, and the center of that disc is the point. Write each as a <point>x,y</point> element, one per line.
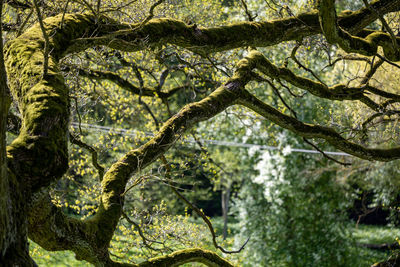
<point>135,133</point>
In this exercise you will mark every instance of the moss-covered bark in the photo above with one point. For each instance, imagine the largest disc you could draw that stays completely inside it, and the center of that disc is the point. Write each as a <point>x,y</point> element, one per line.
<point>335,92</point>
<point>316,131</point>
<point>353,44</point>
<point>188,255</point>
<point>13,243</point>
<point>208,40</point>
<point>4,189</point>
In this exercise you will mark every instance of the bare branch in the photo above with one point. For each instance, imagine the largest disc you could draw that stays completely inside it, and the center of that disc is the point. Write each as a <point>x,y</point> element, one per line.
<point>246,10</point>
<point>324,154</point>
<point>100,169</point>
<point>45,37</point>
<point>21,28</point>
<point>144,238</point>
<point>293,56</point>
<point>197,210</point>
<point>124,84</point>
<point>151,13</point>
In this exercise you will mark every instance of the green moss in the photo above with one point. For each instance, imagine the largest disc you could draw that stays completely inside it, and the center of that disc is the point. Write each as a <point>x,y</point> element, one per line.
<point>181,257</point>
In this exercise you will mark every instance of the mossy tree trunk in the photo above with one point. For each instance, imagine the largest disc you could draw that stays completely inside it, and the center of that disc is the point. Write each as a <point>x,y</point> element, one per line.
<point>14,249</point>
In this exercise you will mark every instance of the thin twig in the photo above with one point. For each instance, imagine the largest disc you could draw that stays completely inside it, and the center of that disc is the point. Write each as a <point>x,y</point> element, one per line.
<point>371,72</point>
<point>79,114</point>
<point>293,56</point>
<point>281,98</point>
<point>63,14</point>
<point>85,3</point>
<point>76,141</point>
<point>216,67</point>
<point>246,9</point>
<point>151,14</point>
<point>324,154</point>
<point>388,61</point>
<point>21,28</point>
<point>145,239</point>
<point>45,37</point>
<point>198,211</point>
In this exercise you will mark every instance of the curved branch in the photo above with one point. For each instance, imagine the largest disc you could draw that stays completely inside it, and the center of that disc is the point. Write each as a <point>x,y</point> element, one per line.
<point>45,115</point>
<point>181,257</point>
<point>49,227</point>
<point>316,131</point>
<point>384,24</point>
<point>336,92</point>
<point>124,84</point>
<point>350,43</point>
<point>207,40</point>
<point>100,169</point>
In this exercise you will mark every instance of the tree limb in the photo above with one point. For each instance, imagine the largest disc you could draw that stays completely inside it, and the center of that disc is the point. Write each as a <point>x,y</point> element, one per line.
<point>125,84</point>
<point>350,43</point>
<point>254,34</point>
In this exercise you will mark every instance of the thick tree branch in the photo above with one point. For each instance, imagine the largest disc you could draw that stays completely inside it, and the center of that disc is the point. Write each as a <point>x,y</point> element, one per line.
<point>207,40</point>
<point>336,92</point>
<point>5,100</point>
<point>181,257</point>
<point>45,37</point>
<point>384,23</point>
<point>117,176</point>
<point>353,44</point>
<point>316,131</point>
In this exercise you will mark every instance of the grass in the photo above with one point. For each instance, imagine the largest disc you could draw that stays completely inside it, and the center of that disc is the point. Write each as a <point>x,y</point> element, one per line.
<point>372,234</point>
<point>54,259</point>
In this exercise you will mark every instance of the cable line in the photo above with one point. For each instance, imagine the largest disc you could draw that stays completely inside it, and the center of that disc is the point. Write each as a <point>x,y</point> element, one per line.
<point>134,133</point>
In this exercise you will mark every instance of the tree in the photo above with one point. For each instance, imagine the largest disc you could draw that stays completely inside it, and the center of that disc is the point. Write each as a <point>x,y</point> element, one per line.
<point>34,61</point>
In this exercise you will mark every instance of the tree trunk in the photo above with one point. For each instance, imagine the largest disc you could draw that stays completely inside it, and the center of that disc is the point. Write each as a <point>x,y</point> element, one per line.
<point>14,249</point>
<point>225,208</point>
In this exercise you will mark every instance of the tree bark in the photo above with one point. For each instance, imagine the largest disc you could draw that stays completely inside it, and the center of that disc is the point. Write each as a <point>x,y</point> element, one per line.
<point>14,250</point>
<point>225,208</point>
